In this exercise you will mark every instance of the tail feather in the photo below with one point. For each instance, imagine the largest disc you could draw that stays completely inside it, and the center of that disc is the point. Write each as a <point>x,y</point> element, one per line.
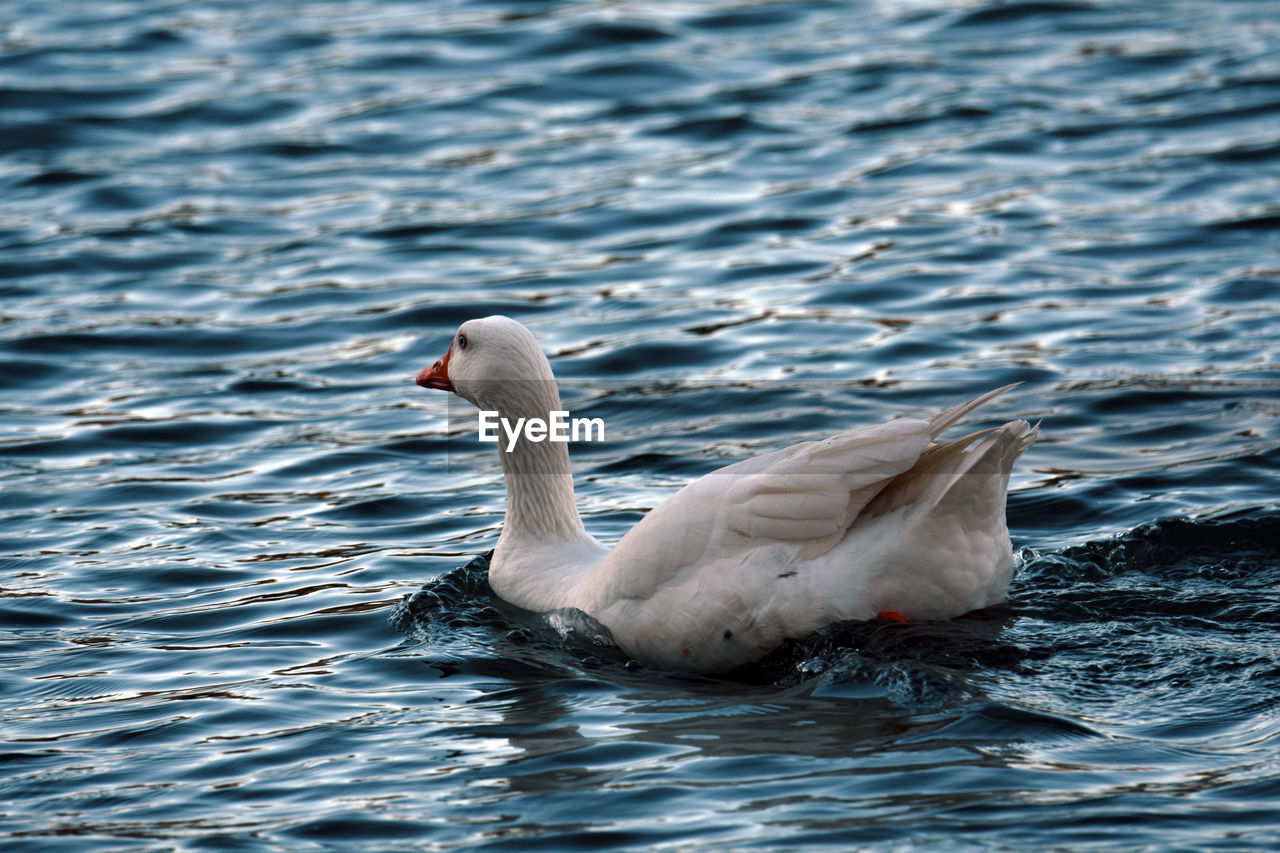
<point>935,478</point>
<point>945,419</point>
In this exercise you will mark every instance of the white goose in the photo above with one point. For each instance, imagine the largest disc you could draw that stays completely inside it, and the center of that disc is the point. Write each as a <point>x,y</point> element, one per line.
<point>877,521</point>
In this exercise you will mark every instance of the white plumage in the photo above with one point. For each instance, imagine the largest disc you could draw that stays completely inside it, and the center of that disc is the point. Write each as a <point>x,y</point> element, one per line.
<point>876,520</point>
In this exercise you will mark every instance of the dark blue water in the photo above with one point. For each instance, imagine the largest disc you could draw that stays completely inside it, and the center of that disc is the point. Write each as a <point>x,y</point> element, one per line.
<point>232,232</point>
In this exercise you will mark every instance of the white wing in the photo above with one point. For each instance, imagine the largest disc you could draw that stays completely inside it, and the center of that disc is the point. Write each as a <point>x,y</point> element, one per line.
<point>704,580</point>
<point>802,497</point>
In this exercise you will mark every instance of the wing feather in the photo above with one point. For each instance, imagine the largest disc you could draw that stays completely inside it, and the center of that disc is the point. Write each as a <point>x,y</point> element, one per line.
<point>804,496</point>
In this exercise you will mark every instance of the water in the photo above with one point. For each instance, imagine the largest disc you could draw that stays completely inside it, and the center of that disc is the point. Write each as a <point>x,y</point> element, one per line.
<point>232,232</point>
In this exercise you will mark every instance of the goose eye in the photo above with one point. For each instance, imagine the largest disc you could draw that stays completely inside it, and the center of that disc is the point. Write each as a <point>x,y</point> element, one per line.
<point>462,341</point>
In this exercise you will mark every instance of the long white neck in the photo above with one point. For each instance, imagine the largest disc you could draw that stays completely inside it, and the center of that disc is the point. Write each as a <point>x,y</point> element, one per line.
<point>544,550</point>
<point>540,504</point>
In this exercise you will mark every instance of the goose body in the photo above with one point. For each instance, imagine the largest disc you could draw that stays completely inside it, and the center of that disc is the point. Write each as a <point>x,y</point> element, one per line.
<point>876,520</point>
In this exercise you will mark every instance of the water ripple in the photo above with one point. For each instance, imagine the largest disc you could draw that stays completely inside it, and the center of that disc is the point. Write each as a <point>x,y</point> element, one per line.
<point>231,234</point>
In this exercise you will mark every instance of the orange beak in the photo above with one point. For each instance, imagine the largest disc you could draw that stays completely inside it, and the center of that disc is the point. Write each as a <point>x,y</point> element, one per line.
<point>437,375</point>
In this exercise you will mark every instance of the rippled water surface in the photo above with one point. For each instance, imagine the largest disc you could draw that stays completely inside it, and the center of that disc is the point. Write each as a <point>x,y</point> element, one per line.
<point>238,602</point>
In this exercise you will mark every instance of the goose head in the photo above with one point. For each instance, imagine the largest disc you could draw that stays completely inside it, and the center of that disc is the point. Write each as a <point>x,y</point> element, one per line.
<point>493,362</point>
